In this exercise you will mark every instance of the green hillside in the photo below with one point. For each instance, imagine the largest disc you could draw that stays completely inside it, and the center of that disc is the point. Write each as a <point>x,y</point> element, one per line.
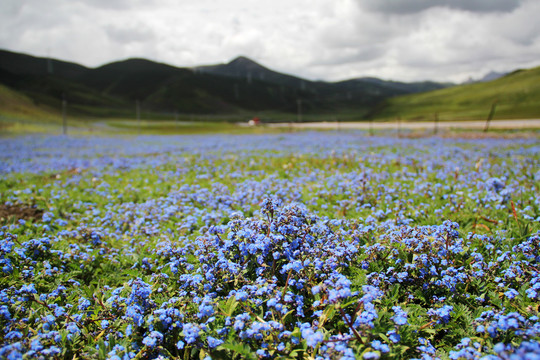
<point>13,103</point>
<point>162,90</point>
<point>516,95</point>
<point>243,88</point>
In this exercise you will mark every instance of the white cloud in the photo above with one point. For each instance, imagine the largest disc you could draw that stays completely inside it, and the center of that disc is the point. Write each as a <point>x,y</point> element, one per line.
<point>414,6</point>
<point>130,33</point>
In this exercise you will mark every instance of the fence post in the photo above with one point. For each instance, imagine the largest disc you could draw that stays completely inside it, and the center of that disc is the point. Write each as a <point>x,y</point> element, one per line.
<point>490,116</point>
<point>138,115</point>
<point>64,114</point>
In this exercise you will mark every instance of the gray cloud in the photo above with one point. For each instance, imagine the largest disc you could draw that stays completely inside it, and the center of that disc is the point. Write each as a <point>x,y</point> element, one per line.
<point>10,8</point>
<point>116,4</point>
<point>130,33</point>
<point>414,6</point>
<point>349,56</point>
<point>318,39</point>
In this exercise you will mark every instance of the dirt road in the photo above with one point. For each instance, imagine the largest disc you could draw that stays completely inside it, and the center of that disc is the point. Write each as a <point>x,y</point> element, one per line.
<point>417,125</point>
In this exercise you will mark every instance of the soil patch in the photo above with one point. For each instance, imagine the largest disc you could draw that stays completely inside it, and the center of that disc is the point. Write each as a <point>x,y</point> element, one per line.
<point>18,212</point>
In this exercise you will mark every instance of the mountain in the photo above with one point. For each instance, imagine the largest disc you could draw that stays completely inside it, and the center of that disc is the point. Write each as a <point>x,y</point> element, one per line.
<point>490,76</point>
<point>515,95</point>
<point>22,64</point>
<point>406,88</point>
<point>244,68</point>
<point>238,87</point>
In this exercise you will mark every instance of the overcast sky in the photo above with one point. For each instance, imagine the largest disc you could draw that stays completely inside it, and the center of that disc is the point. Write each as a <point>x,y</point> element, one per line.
<point>407,40</point>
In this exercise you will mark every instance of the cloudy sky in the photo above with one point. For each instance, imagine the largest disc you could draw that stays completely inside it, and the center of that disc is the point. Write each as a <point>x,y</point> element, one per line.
<point>407,40</point>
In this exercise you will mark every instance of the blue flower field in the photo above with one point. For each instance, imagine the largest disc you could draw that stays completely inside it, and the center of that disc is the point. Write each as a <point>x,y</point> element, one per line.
<point>309,245</point>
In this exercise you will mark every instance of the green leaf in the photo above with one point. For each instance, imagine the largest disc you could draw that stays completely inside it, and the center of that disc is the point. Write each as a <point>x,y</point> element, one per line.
<point>229,307</point>
<point>287,317</point>
<point>238,348</point>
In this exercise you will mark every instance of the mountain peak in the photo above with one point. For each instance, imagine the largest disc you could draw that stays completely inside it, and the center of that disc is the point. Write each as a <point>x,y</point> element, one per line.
<point>241,59</point>
<point>245,63</point>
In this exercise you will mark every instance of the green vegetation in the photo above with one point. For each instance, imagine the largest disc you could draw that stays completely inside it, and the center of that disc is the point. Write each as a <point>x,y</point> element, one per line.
<point>240,88</point>
<point>32,89</point>
<point>15,104</point>
<point>516,95</point>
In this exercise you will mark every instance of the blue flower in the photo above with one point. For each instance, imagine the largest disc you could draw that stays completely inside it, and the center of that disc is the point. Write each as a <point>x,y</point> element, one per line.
<point>499,348</point>
<point>152,339</point>
<point>400,316</point>
<point>4,312</point>
<point>129,330</point>
<point>377,345</point>
<point>511,293</point>
<point>191,332</point>
<point>442,315</point>
<point>35,345</point>
<point>83,303</point>
<point>313,338</point>
<point>393,336</point>
<point>213,342</point>
<point>241,296</point>
<point>134,312</point>
<point>372,355</point>
<point>73,328</point>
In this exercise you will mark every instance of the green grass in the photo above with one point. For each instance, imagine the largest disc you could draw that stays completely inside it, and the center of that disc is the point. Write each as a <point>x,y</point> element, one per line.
<point>164,127</point>
<point>517,96</point>
<point>14,104</point>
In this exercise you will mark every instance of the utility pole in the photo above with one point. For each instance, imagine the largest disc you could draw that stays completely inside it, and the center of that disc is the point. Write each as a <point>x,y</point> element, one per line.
<point>299,109</point>
<point>138,114</point>
<point>490,116</point>
<point>49,63</point>
<point>236,91</point>
<point>64,114</point>
<point>49,66</point>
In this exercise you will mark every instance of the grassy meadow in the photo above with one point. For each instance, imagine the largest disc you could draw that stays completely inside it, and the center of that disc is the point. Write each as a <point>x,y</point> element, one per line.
<point>515,95</point>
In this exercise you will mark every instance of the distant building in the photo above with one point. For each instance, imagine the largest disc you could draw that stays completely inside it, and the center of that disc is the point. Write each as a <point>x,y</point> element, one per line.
<point>254,122</point>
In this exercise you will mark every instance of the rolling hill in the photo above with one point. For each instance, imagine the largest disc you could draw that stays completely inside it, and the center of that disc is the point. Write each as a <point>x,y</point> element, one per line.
<point>515,95</point>
<point>239,87</point>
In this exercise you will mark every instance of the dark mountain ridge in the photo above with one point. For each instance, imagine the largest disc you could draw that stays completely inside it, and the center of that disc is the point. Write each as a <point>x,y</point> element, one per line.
<point>22,64</point>
<point>239,86</point>
<point>245,68</point>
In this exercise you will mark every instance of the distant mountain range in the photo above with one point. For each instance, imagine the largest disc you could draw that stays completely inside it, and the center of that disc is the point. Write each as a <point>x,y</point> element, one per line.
<point>238,87</point>
<point>490,76</point>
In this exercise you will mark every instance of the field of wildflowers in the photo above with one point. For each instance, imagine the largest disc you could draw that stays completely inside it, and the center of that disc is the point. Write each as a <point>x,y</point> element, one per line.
<point>302,245</point>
